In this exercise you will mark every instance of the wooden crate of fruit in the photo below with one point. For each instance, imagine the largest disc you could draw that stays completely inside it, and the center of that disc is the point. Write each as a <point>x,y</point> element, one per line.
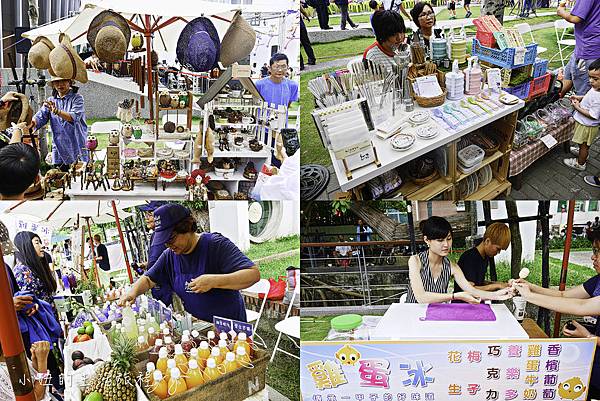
<point>234,386</point>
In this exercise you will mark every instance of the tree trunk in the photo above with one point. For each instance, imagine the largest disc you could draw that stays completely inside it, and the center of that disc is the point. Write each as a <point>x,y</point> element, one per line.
<point>390,230</point>
<point>543,213</point>
<point>516,243</point>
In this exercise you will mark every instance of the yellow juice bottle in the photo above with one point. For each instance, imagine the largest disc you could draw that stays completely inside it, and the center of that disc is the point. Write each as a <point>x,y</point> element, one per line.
<point>203,350</point>
<point>242,341</point>
<point>180,359</point>
<point>176,382</point>
<point>211,338</point>
<point>149,376</point>
<point>161,364</point>
<point>194,374</point>
<point>241,357</point>
<point>217,356</point>
<point>211,372</point>
<point>230,363</point>
<point>194,356</point>
<point>171,364</point>
<point>160,387</point>
<point>223,347</point>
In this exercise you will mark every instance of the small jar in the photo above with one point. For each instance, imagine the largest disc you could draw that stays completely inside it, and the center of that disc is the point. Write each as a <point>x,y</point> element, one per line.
<point>348,328</point>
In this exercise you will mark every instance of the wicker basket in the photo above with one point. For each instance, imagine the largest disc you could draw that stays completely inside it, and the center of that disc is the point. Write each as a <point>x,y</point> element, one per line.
<point>430,101</point>
<point>425,180</point>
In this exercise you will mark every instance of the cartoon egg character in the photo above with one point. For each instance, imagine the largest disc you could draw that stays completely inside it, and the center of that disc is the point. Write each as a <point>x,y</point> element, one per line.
<point>571,389</point>
<point>347,355</point>
<point>92,142</point>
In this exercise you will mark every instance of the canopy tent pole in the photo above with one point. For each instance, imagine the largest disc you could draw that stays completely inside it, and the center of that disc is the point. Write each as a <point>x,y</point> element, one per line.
<point>148,35</point>
<point>12,343</point>
<point>82,258</point>
<point>122,240</point>
<point>565,261</point>
<point>94,263</point>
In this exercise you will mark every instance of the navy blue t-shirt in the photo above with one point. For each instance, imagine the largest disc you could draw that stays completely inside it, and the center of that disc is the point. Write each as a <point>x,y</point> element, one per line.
<point>214,254</point>
<point>156,249</point>
<point>592,287</point>
<point>474,267</point>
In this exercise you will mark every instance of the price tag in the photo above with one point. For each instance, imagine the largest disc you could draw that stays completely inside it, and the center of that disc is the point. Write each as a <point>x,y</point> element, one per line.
<point>224,325</point>
<point>520,55</point>
<point>549,141</point>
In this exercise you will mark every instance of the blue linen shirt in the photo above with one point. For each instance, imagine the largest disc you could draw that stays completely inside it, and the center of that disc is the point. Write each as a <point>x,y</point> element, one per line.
<point>68,138</point>
<point>279,93</point>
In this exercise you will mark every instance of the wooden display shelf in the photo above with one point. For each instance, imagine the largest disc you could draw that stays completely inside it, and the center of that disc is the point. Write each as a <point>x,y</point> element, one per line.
<point>485,162</point>
<point>412,191</point>
<point>245,153</point>
<point>160,108</point>
<point>237,125</point>
<point>237,176</point>
<point>491,190</point>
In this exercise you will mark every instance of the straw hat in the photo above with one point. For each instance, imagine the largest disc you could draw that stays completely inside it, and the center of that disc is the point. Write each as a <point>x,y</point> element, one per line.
<point>65,61</point>
<point>109,35</point>
<point>238,41</point>
<point>198,46</point>
<point>19,111</point>
<point>39,53</point>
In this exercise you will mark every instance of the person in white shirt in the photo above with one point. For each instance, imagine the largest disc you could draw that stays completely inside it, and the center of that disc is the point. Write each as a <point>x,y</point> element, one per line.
<point>343,254</point>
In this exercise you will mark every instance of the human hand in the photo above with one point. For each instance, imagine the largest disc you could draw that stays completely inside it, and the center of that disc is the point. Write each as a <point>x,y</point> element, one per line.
<point>126,298</point>
<point>203,283</point>
<point>503,294</point>
<point>575,102</point>
<point>21,301</point>
<point>31,125</point>
<point>39,355</point>
<point>579,332</point>
<point>523,289</point>
<point>466,297</point>
<point>51,106</point>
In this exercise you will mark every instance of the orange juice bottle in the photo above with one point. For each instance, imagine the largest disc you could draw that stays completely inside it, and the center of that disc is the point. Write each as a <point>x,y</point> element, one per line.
<point>223,336</point>
<point>216,355</point>
<point>242,342</point>
<point>171,364</point>
<point>142,345</point>
<point>161,364</point>
<point>194,356</point>
<point>230,363</point>
<point>203,350</point>
<point>176,382</point>
<point>211,372</point>
<point>194,375</point>
<point>160,388</point>
<point>181,359</point>
<point>211,338</point>
<point>223,347</point>
<point>241,356</point>
<point>170,345</point>
<point>196,338</point>
<point>149,376</point>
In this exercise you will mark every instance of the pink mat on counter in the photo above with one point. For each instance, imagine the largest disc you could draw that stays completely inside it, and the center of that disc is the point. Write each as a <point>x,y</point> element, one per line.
<point>460,312</point>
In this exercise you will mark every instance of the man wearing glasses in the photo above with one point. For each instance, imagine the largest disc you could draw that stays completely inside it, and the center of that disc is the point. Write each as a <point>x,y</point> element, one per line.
<point>276,88</point>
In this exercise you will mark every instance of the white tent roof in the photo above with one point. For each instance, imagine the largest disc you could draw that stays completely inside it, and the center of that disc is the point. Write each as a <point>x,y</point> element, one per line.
<point>61,211</point>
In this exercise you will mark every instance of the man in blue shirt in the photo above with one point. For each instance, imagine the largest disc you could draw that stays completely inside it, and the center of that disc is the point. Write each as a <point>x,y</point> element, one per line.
<point>277,88</point>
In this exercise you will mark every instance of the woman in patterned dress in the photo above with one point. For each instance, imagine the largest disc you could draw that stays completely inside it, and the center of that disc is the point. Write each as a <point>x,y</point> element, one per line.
<point>31,270</point>
<point>429,271</point>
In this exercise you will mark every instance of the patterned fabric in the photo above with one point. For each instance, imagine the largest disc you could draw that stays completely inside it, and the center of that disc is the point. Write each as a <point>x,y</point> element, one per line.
<point>29,282</point>
<point>378,55</point>
<point>523,157</point>
<point>439,286</point>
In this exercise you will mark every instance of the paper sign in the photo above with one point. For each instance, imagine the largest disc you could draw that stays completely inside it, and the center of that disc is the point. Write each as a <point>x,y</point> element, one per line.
<point>533,369</point>
<point>520,55</point>
<point>549,141</point>
<point>224,325</point>
<point>360,159</point>
<point>352,150</point>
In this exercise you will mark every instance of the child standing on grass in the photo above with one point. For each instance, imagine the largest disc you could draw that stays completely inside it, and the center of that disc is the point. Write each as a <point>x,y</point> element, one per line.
<point>452,9</point>
<point>587,120</point>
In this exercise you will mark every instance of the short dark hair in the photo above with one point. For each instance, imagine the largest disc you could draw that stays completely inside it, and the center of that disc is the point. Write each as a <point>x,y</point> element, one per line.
<point>373,4</point>
<point>595,65</point>
<point>19,167</point>
<point>187,225</point>
<point>417,10</point>
<point>97,237</point>
<point>387,23</point>
<point>278,57</point>
<point>435,227</point>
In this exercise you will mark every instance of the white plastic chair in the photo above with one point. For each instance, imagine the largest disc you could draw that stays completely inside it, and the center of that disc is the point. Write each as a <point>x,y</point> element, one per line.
<point>564,39</point>
<point>524,29</point>
<point>290,326</point>
<point>403,298</point>
<point>261,287</point>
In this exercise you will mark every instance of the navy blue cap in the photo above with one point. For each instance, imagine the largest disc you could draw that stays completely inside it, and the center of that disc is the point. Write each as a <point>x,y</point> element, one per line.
<point>166,218</point>
<point>151,206</point>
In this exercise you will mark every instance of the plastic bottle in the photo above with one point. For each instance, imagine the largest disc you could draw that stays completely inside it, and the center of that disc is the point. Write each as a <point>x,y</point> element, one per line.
<point>186,343</point>
<point>152,323</point>
<point>242,342</point>
<point>223,347</point>
<point>152,336</point>
<point>142,345</point>
<point>170,345</point>
<point>160,387</point>
<point>165,333</point>
<point>181,359</point>
<point>176,382</point>
<point>161,363</point>
<point>196,338</point>
<point>230,363</point>
<point>186,333</point>
<point>150,368</point>
<point>171,364</point>
<point>224,337</point>
<point>194,375</point>
<point>211,372</point>
<point>153,354</point>
<point>204,350</point>
<point>194,356</point>
<point>212,340</point>
<point>241,356</point>
<point>129,323</point>
<point>216,355</point>
<point>142,332</point>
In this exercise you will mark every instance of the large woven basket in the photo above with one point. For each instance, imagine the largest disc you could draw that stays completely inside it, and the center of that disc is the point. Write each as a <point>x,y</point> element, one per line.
<point>430,101</point>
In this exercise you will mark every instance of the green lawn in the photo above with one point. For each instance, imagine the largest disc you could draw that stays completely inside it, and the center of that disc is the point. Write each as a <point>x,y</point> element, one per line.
<point>312,149</point>
<point>276,246</point>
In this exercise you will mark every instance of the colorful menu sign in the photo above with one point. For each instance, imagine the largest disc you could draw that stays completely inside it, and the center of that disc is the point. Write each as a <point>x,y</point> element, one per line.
<point>535,369</point>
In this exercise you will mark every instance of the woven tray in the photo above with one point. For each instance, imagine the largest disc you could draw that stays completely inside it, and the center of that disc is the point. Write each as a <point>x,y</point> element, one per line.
<point>429,101</point>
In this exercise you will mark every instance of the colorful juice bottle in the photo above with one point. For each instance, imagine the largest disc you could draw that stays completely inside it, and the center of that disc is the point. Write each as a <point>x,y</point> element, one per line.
<point>142,332</point>
<point>212,339</point>
<point>194,375</point>
<point>230,363</point>
<point>153,354</point>
<point>165,333</point>
<point>196,338</point>
<point>176,382</point>
<point>224,337</point>
<point>129,323</point>
<point>241,356</point>
<point>203,350</point>
<point>181,359</point>
<point>211,372</point>
<point>170,345</point>
<point>194,356</point>
<point>149,377</point>
<point>160,387</point>
<point>163,357</point>
<point>223,347</point>
<point>242,342</point>
<point>171,364</point>
<point>186,343</point>
<point>216,355</point>
<point>142,345</point>
<point>152,336</point>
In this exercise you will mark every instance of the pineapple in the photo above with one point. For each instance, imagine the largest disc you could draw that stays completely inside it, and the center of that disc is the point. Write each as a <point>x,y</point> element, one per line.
<point>115,379</point>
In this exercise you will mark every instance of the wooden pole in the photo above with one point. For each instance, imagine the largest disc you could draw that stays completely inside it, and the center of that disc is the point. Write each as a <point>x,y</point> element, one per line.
<point>12,342</point>
<point>487,216</point>
<point>543,212</point>
<point>82,258</point>
<point>411,228</point>
<point>122,240</point>
<point>565,261</point>
<point>94,263</point>
<point>148,35</point>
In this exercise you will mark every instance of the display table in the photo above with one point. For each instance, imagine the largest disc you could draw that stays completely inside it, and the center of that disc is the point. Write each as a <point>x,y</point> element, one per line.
<point>144,190</point>
<point>524,157</point>
<point>532,329</point>
<point>402,322</point>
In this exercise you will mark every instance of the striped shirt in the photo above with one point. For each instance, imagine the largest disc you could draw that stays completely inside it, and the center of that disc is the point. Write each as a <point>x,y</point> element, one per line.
<point>379,55</point>
<point>439,286</point>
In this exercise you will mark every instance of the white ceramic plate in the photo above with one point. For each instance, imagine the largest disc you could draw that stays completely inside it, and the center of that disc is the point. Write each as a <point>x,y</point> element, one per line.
<point>419,117</point>
<point>402,141</point>
<point>427,132</point>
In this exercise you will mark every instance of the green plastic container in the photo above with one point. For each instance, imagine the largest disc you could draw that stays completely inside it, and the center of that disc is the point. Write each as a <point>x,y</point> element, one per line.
<point>346,322</point>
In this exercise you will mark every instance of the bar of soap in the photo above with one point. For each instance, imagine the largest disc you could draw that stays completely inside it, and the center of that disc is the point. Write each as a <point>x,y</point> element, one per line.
<point>524,273</point>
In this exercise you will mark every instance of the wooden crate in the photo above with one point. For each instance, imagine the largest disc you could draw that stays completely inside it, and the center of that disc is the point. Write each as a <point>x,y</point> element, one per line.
<point>234,386</point>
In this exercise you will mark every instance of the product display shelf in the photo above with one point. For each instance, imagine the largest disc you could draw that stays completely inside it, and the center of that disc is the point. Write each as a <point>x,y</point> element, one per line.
<point>497,155</point>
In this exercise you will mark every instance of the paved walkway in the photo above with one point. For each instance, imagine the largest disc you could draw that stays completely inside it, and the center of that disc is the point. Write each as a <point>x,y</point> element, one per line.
<point>582,258</point>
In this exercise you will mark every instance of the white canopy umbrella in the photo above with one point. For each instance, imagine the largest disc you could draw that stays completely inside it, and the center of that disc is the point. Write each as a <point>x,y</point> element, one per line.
<point>62,211</point>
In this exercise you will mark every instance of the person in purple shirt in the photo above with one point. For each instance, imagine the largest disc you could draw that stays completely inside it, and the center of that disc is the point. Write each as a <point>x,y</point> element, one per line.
<point>586,17</point>
<point>205,270</point>
<point>276,88</point>
<point>65,111</point>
